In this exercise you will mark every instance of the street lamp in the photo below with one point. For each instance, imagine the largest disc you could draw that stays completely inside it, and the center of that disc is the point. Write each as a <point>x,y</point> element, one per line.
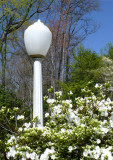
<point>37,38</point>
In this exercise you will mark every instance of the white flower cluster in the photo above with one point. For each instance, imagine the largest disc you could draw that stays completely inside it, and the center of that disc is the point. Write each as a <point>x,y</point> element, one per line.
<point>47,152</point>
<point>50,101</point>
<point>2,110</point>
<point>70,148</point>
<point>13,152</point>
<point>27,152</point>
<point>98,153</point>
<point>104,106</point>
<point>72,117</point>
<point>20,117</point>
<point>57,110</point>
<point>58,93</point>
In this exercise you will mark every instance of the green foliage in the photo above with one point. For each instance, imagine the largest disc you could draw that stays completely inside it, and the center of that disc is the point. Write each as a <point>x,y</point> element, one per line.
<point>82,70</point>
<point>10,107</point>
<point>83,63</point>
<point>8,99</point>
<point>110,52</point>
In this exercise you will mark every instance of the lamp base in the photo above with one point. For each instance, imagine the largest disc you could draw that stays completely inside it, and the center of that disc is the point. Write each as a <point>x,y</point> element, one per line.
<point>37,56</point>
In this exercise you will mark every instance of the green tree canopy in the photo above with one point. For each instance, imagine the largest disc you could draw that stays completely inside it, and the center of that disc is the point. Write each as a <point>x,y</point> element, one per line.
<point>110,52</point>
<point>83,69</point>
<point>83,63</point>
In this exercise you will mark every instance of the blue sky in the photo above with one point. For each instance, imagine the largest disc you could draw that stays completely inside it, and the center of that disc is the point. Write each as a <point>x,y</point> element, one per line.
<point>104,34</point>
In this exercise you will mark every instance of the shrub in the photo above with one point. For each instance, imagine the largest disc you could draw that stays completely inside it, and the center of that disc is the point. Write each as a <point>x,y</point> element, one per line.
<point>10,108</point>
<point>79,131</point>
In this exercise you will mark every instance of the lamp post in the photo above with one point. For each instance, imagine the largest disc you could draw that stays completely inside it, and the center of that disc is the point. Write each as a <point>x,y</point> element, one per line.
<point>37,38</point>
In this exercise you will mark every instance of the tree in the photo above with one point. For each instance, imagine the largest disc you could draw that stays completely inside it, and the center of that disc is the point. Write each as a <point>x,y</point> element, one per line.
<point>13,14</point>
<point>83,69</point>
<point>70,24</point>
<point>110,51</point>
<point>84,62</point>
<point>19,69</point>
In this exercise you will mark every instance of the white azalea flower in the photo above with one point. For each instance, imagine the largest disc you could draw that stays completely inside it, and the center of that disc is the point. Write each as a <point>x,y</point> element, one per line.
<point>27,125</point>
<point>53,157</point>
<point>12,152</point>
<point>20,129</point>
<point>98,141</point>
<point>104,130</point>
<point>63,130</point>
<point>85,153</point>
<point>58,93</point>
<point>46,114</point>
<point>106,114</point>
<point>111,123</point>
<point>20,117</point>
<point>111,117</point>
<point>96,85</point>
<point>50,101</point>
<point>70,148</point>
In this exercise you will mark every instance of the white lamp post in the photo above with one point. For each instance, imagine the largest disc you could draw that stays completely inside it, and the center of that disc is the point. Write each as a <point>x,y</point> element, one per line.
<point>37,38</point>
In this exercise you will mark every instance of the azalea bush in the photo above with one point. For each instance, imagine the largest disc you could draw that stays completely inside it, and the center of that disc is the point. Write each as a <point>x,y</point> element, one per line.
<point>78,130</point>
<point>10,109</point>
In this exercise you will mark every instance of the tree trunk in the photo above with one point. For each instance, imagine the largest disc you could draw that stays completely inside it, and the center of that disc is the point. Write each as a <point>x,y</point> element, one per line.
<point>63,57</point>
<point>3,62</point>
<point>60,72</point>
